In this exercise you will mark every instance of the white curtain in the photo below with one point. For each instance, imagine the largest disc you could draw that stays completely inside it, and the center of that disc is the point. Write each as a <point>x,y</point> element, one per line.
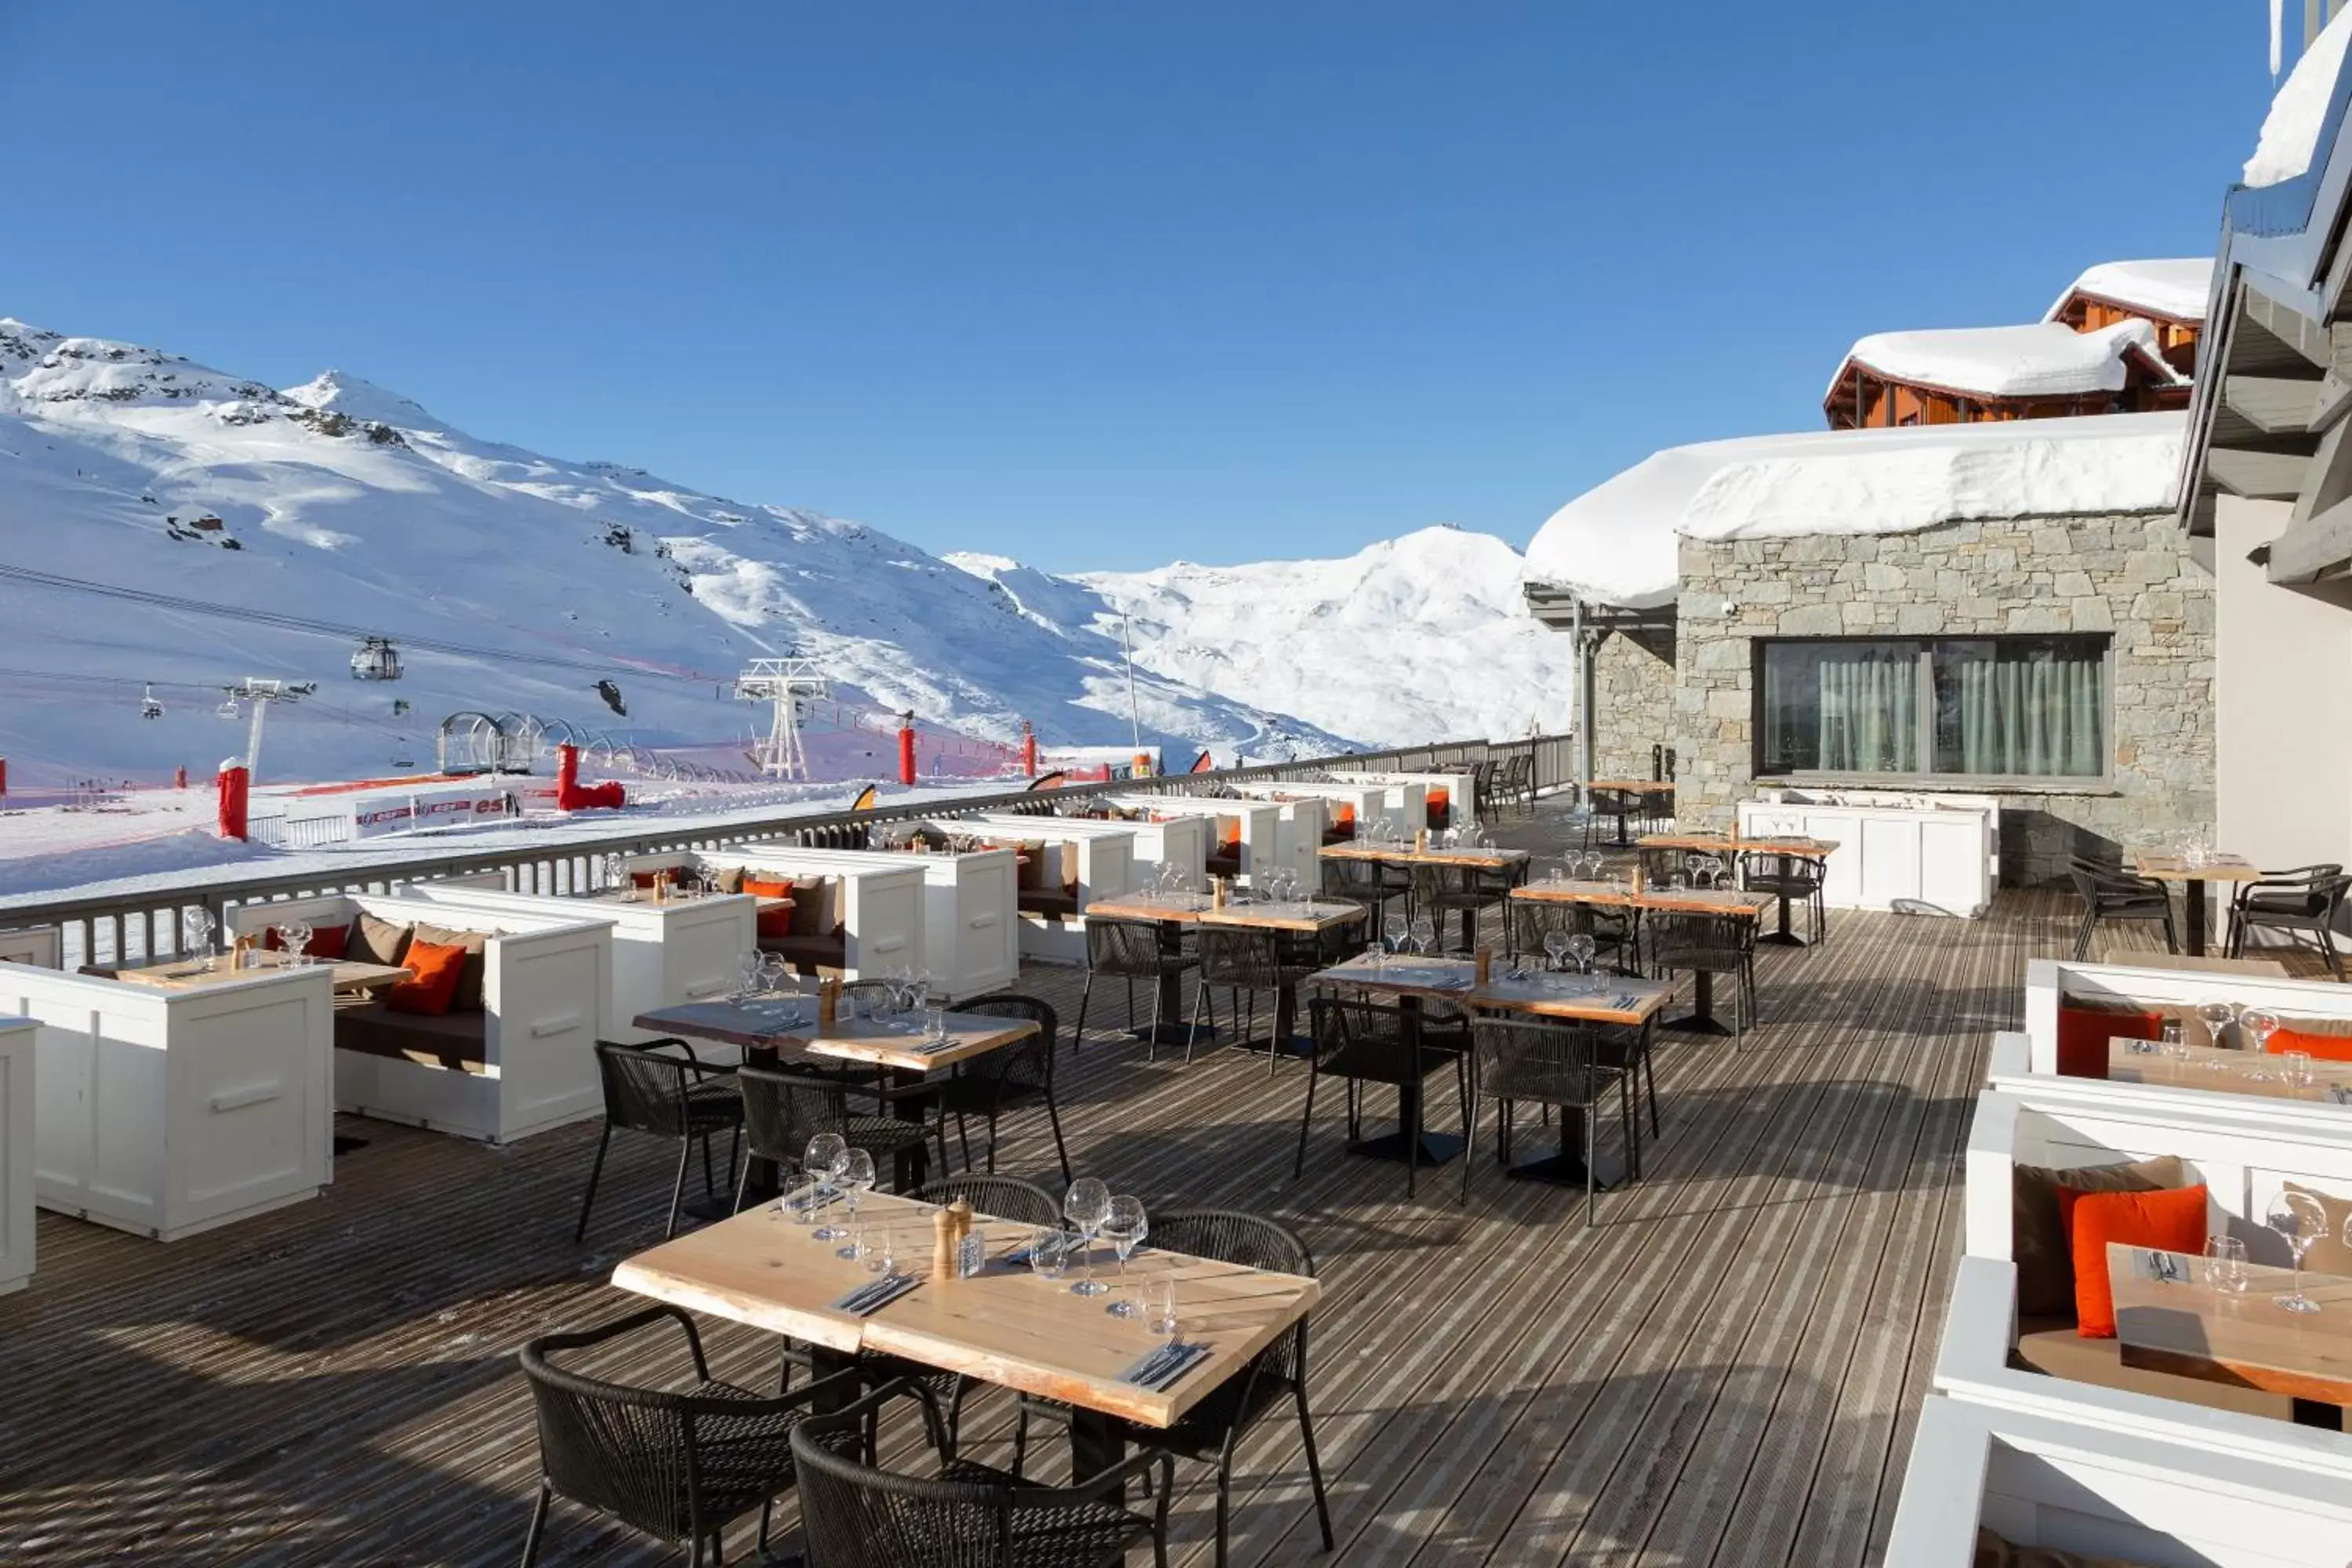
<point>1869,715</point>
<point>2035,714</point>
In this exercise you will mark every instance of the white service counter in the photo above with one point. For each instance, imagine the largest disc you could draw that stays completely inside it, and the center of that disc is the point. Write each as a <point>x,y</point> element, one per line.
<point>1918,854</point>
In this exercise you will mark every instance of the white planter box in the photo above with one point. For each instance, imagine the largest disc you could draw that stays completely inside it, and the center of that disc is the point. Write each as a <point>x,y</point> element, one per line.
<point>665,955</point>
<point>1369,802</point>
<point>167,1113</point>
<point>1264,839</point>
<point>18,1046</point>
<point>2048,979</point>
<point>547,997</point>
<point>1114,857</point>
<point>1928,861</point>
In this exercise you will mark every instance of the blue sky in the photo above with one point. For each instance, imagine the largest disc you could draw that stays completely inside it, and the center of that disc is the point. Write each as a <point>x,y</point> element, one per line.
<point>1094,285</point>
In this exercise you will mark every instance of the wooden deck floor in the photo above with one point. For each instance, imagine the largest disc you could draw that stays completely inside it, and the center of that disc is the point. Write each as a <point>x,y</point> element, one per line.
<point>1722,1370</point>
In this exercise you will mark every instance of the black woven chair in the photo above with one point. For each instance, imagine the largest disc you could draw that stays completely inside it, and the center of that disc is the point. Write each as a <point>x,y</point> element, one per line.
<point>1797,878</point>
<point>1003,1079</point>
<point>1529,921</point>
<point>1367,1042</point>
<point>677,1463</point>
<point>1554,1065</point>
<point>1212,1429</point>
<point>1129,951</point>
<point>1616,807</point>
<point>784,1108</point>
<point>648,1091</point>
<point>1358,882</point>
<point>1245,962</point>
<point>969,1515</point>
<point>1722,946</point>
<point>1485,786</point>
<point>2111,893</point>
<point>1461,891</point>
<point>2304,901</point>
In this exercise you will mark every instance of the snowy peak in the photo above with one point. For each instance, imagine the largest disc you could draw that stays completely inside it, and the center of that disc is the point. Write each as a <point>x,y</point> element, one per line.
<point>340,392</point>
<point>48,371</point>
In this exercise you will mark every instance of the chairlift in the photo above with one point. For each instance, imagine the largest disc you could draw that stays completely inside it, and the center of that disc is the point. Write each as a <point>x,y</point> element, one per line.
<point>227,709</point>
<point>375,659</point>
<point>148,707</point>
<point>400,756</point>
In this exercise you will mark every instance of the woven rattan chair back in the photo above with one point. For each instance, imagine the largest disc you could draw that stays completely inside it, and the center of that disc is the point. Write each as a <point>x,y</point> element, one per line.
<point>643,1089</point>
<point>1128,948</point>
<point>1551,1063</point>
<point>1251,959</point>
<point>1718,943</point>
<point>1026,1064</point>
<point>1004,1197</point>
<point>783,1109</point>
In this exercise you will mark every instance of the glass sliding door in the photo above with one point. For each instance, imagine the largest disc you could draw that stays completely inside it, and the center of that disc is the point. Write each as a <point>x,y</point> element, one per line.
<point>2028,707</point>
<point>1842,707</point>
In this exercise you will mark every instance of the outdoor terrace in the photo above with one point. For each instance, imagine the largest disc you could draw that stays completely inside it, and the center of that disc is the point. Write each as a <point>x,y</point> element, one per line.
<point>1724,1370</point>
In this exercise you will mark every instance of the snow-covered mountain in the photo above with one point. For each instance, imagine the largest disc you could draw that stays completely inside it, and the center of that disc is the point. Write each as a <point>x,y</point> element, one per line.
<point>1411,639</point>
<point>340,502</point>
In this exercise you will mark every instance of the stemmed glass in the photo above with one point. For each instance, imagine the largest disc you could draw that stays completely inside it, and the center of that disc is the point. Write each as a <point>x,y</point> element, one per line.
<point>197,931</point>
<point>750,965</point>
<point>1086,1206</point>
<point>1555,948</point>
<point>822,1157</point>
<point>1125,1227</point>
<point>2217,1017</point>
<point>1593,864</point>
<point>2258,1024</point>
<point>1580,951</point>
<point>1424,934</point>
<point>1694,865</point>
<point>855,1173</point>
<point>1713,870</point>
<point>2300,1221</point>
<point>615,871</point>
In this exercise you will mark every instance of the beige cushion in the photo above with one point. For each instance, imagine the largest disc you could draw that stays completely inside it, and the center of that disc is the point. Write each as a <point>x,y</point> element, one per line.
<point>374,941</point>
<point>467,997</point>
<point>1036,870</point>
<point>2038,1245</point>
<point>1992,1551</point>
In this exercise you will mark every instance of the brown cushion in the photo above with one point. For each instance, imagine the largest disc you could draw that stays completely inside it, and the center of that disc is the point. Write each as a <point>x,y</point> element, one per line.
<point>470,973</point>
<point>809,954</point>
<point>455,1041</point>
<point>809,906</point>
<point>1033,875</point>
<point>2052,1346</point>
<point>1992,1551</point>
<point>373,940</point>
<point>2045,1267</point>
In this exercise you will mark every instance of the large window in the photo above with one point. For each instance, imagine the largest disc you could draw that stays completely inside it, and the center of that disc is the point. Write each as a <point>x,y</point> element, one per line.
<point>1998,706</point>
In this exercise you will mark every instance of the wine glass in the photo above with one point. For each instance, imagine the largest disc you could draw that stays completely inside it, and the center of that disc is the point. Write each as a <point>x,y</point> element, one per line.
<point>1399,934</point>
<point>197,931</point>
<point>1425,935</point>
<point>2217,1017</point>
<point>854,1174</point>
<point>2225,1263</point>
<point>1580,951</point>
<point>1049,1252</point>
<point>1125,1227</point>
<point>818,1162</point>
<point>1555,943</point>
<point>1714,870</point>
<point>2300,1220</point>
<point>1086,1206</point>
<point>298,934</point>
<point>749,964</point>
<point>774,973</point>
<point>1593,865</point>
<point>1693,864</point>
<point>1560,870</point>
<point>2258,1024</point>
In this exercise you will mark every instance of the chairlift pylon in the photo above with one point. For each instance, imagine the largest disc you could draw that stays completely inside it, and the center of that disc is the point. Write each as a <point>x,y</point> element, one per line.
<point>375,659</point>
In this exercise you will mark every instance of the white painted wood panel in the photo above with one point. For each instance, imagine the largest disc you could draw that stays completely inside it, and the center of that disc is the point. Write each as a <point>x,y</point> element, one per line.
<point>18,1046</point>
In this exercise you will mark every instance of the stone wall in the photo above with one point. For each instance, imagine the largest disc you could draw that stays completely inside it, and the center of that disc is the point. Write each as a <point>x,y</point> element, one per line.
<point>2129,575</point>
<point>1633,700</point>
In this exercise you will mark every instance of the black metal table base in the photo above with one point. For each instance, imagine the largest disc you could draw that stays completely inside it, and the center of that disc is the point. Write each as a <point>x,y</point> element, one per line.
<point>1563,1168</point>
<point>1781,939</point>
<point>1171,1033</point>
<point>1698,1023</point>
<point>1436,1148</point>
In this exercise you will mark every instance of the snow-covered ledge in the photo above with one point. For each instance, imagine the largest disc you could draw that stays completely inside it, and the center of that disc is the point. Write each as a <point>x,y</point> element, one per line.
<point>2047,1481</point>
<point>17,1037</point>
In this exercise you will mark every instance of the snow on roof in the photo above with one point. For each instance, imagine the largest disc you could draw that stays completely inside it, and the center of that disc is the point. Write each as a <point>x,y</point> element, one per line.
<point>2290,137</point>
<point>2044,360</point>
<point>2173,288</point>
<point>1616,543</point>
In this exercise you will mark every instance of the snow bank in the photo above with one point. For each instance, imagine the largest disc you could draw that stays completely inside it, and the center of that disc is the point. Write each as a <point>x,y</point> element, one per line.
<point>2176,287</point>
<point>2043,360</point>
<point>1616,543</point>
<point>2289,138</point>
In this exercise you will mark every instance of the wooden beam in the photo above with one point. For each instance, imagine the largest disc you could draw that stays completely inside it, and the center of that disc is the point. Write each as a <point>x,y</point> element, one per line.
<point>2275,406</point>
<point>2257,476</point>
<point>2313,548</point>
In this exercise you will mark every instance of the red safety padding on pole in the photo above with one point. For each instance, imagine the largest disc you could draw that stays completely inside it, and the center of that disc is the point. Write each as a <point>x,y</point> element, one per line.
<point>905,753</point>
<point>233,786</point>
<point>1028,750</point>
<point>4,778</point>
<point>180,778</point>
<point>570,794</point>
<point>567,770</point>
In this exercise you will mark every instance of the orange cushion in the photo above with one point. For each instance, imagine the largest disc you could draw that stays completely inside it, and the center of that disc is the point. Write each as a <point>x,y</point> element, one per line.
<point>776,922</point>
<point>1229,837</point>
<point>2173,1220</point>
<point>2084,1034</point>
<point>2323,1048</point>
<point>1346,816</point>
<point>432,984</point>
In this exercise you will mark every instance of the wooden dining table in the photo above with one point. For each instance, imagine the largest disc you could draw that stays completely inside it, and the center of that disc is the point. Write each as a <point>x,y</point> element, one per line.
<point>2225,1071</point>
<point>1729,847</point>
<point>2196,882</point>
<point>1629,787</point>
<point>2187,1325</point>
<point>1005,1325</point>
<point>1484,857</point>
<point>1737,902</point>
<point>351,976</point>
<point>1625,1002</point>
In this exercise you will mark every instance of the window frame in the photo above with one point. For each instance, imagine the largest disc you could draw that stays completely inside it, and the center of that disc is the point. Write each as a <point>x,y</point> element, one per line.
<point>2102,782</point>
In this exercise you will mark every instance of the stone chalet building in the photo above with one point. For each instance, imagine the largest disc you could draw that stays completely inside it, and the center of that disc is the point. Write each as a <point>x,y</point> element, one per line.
<point>1984,586</point>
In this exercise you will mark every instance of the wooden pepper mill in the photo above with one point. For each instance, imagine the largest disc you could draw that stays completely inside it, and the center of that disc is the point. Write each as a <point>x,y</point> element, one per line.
<point>943,1244</point>
<point>1485,964</point>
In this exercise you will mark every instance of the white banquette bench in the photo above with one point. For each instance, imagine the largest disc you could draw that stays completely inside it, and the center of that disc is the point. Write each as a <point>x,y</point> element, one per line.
<point>1069,862</point>
<point>970,900</point>
<point>847,920</point>
<point>521,1061</point>
<point>663,953</point>
<point>1246,837</point>
<point>167,1111</point>
<point>18,1041</point>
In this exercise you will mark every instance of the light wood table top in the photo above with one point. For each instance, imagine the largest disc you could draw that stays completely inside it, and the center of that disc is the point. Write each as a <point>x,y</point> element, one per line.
<point>760,1025</point>
<point>1619,1000</point>
<point>2173,868</point>
<point>1678,900</point>
<point>1735,844</point>
<point>1636,786</point>
<point>1490,858</point>
<point>189,973</point>
<point>1298,915</point>
<point>2224,1072</point>
<point>968,1035</point>
<point>1172,908</point>
<point>1003,1326</point>
<point>2267,968</point>
<point>2188,1326</point>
